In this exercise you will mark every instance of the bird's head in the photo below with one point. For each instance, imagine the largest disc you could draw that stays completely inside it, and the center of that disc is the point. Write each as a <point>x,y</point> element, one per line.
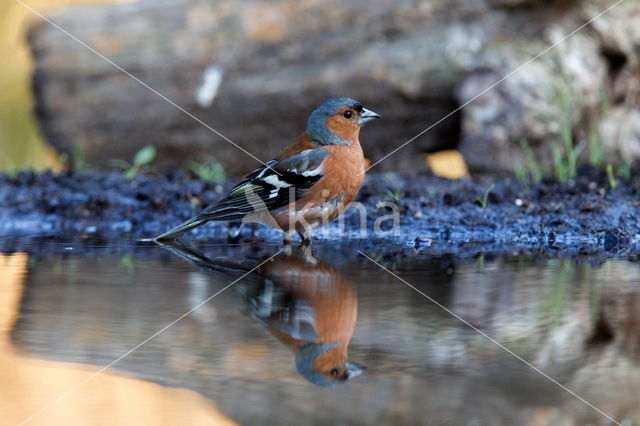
<point>337,121</point>
<point>325,364</point>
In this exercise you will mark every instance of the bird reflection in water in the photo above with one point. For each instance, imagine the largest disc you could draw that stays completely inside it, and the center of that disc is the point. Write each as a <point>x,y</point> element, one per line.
<point>303,301</point>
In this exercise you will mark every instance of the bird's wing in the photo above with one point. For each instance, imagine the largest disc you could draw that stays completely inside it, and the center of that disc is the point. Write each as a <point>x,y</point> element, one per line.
<point>270,186</point>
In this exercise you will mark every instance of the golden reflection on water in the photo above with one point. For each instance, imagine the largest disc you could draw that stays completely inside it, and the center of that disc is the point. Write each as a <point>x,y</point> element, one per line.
<point>29,384</point>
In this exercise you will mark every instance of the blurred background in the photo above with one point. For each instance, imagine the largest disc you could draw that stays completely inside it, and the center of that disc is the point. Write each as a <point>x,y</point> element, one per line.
<point>21,143</point>
<point>253,71</point>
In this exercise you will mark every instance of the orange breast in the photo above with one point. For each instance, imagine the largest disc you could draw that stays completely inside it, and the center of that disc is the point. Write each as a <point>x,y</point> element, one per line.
<point>332,297</point>
<point>343,174</point>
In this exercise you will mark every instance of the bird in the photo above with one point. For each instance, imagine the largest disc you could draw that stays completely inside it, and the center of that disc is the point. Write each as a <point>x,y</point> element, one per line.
<point>308,184</point>
<point>316,317</point>
<point>304,302</point>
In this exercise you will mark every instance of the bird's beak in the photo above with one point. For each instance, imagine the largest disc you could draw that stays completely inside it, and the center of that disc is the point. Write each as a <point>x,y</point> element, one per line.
<point>352,369</point>
<point>367,115</point>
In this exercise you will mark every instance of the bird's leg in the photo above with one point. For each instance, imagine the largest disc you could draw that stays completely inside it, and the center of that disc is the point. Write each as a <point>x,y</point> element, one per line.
<point>288,237</point>
<point>305,234</point>
<point>287,250</point>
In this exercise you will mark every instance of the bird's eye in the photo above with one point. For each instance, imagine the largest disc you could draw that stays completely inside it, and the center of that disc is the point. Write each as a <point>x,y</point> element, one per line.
<point>347,114</point>
<point>334,372</point>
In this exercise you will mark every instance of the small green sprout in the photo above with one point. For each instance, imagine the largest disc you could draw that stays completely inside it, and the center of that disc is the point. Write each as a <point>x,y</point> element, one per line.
<point>520,170</point>
<point>209,171</point>
<point>612,179</point>
<point>530,169</point>
<point>140,162</point>
<point>596,151</point>
<point>484,201</point>
<point>394,195</point>
<point>565,160</point>
<point>559,171</point>
<point>78,158</point>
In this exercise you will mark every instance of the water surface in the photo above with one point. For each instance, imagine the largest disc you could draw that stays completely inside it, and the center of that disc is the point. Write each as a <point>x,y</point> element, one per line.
<point>321,336</point>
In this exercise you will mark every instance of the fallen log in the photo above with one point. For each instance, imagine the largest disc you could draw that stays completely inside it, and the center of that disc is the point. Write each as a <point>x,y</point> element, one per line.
<point>189,76</point>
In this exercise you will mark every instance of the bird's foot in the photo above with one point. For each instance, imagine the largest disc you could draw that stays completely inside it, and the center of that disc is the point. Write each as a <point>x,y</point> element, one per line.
<point>305,235</point>
<point>288,237</point>
<point>287,249</point>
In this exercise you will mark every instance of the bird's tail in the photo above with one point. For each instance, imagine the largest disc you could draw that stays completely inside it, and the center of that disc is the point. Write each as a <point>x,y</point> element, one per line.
<point>181,229</point>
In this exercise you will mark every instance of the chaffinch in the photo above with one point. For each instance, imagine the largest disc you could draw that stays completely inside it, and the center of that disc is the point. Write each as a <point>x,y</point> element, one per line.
<point>307,184</point>
<point>315,317</point>
<point>304,302</point>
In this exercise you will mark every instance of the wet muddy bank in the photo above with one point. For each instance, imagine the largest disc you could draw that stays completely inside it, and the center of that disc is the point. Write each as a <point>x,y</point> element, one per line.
<point>581,216</point>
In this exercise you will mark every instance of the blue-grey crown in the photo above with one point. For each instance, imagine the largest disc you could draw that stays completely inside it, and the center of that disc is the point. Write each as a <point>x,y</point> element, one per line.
<point>317,123</point>
<point>305,357</point>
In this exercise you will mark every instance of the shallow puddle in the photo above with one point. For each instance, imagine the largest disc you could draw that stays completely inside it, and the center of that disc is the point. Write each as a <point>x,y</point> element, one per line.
<point>259,335</point>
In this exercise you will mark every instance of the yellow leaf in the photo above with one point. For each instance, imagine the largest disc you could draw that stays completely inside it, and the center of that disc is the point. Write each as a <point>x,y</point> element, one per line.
<point>448,164</point>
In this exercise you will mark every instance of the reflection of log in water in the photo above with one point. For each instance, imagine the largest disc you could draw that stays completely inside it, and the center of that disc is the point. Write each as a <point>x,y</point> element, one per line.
<point>304,302</point>
<point>29,385</point>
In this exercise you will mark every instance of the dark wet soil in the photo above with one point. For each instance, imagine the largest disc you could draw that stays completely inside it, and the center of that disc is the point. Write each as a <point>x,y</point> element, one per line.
<point>584,215</point>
